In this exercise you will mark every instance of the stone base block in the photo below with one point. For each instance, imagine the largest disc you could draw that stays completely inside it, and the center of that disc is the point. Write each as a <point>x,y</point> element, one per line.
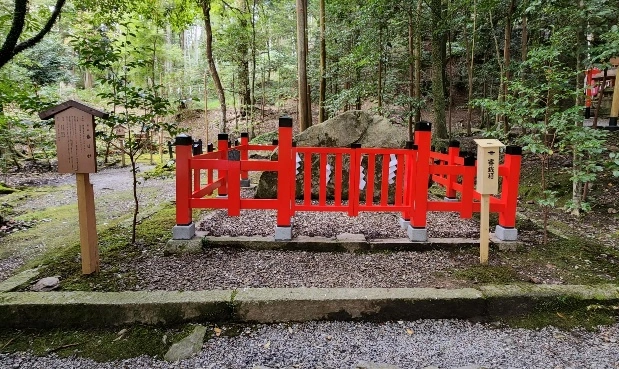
<point>417,234</point>
<point>506,234</point>
<point>183,232</point>
<point>283,233</point>
<point>245,182</point>
<point>404,223</point>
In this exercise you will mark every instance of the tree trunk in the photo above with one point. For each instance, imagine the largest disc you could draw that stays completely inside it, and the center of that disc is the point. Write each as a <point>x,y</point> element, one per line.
<point>471,63</point>
<point>438,90</point>
<point>507,56</point>
<point>411,73</point>
<point>304,106</point>
<point>206,10</point>
<point>323,65</point>
<point>380,69</point>
<point>418,62</point>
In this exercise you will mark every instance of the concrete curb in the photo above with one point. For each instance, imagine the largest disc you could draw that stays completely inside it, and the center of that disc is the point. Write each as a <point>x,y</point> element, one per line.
<point>342,243</point>
<point>264,305</point>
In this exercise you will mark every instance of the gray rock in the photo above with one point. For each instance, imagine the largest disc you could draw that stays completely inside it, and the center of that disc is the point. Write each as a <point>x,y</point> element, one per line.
<point>470,367</point>
<point>431,367</point>
<point>188,346</point>
<point>46,284</point>
<point>340,131</point>
<point>370,365</point>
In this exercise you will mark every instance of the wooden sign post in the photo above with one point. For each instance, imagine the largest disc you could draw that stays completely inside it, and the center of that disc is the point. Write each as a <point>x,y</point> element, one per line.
<point>76,151</point>
<point>487,184</point>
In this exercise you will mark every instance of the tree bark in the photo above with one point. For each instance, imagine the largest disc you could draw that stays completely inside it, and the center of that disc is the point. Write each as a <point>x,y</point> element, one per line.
<point>10,46</point>
<point>507,56</point>
<point>206,11</point>
<point>304,108</point>
<point>438,90</point>
<point>411,73</point>
<point>471,56</point>
<point>323,65</point>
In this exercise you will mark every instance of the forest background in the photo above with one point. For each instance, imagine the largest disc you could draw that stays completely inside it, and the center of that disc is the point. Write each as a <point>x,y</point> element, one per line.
<point>516,68</point>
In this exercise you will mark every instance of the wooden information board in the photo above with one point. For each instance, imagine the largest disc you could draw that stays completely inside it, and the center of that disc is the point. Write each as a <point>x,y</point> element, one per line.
<point>75,141</point>
<point>76,151</point>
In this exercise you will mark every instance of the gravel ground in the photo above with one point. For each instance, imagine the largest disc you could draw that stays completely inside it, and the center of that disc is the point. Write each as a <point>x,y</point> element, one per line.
<point>231,268</point>
<point>419,344</point>
<point>373,225</point>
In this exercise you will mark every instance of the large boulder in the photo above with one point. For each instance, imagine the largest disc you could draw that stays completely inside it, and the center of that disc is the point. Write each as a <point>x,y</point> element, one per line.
<point>340,131</point>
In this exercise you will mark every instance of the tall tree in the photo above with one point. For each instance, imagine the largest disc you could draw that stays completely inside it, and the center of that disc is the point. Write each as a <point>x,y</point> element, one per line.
<point>323,65</point>
<point>438,90</point>
<point>304,103</point>
<point>206,12</point>
<point>11,45</point>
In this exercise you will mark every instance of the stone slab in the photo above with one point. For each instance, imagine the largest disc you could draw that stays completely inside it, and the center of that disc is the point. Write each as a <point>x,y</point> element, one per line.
<point>521,299</point>
<point>104,309</point>
<point>269,305</point>
<point>19,279</point>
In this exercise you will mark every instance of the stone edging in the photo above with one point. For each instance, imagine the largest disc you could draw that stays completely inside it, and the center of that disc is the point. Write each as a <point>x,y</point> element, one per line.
<point>268,305</point>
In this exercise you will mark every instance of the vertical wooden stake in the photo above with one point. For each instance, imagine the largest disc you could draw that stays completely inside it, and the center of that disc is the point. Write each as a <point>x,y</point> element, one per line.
<point>484,229</point>
<point>122,152</point>
<point>88,224</point>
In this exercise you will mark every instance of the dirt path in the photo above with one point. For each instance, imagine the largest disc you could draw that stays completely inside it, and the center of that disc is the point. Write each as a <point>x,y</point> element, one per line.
<point>50,208</point>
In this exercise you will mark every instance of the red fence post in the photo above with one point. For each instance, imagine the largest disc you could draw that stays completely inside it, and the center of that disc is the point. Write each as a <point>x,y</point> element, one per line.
<point>245,182</point>
<point>423,138</point>
<point>285,173</point>
<point>453,153</point>
<point>409,183</point>
<point>222,147</point>
<point>354,175</point>
<point>184,229</point>
<point>506,230</point>
<point>209,172</point>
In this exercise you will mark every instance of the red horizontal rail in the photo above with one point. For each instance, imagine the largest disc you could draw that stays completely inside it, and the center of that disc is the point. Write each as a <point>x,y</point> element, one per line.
<point>259,165</point>
<point>208,189</point>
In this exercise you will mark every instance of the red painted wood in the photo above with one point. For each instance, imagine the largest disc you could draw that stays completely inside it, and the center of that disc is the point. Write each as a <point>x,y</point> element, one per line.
<point>222,149</point>
<point>353,185</point>
<point>384,190</point>
<point>285,175</point>
<point>307,178</point>
<point>422,140</point>
<point>466,198</point>
<point>183,184</point>
<point>259,204</point>
<point>399,180</point>
<point>370,177</point>
<point>208,189</point>
<point>322,185</point>
<point>510,171</point>
<point>338,179</point>
<point>234,188</point>
<point>452,154</point>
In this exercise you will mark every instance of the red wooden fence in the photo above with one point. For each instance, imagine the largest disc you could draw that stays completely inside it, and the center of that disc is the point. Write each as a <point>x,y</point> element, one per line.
<point>415,165</point>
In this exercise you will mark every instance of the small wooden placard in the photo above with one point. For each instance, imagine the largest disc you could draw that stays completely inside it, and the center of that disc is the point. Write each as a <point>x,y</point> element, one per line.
<point>75,141</point>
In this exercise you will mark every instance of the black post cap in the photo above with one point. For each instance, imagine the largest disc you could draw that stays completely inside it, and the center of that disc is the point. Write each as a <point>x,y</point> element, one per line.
<point>294,144</point>
<point>285,121</point>
<point>355,145</point>
<point>409,145</point>
<point>183,140</point>
<point>209,147</point>
<point>222,137</point>
<point>275,142</point>
<point>454,143</point>
<point>415,147</point>
<point>229,144</point>
<point>423,126</point>
<point>245,134</point>
<point>469,161</point>
<point>236,143</point>
<point>513,150</point>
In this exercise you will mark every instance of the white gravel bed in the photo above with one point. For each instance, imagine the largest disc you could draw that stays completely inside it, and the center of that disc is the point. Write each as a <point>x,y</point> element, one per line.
<point>224,268</point>
<point>329,224</point>
<point>419,344</point>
